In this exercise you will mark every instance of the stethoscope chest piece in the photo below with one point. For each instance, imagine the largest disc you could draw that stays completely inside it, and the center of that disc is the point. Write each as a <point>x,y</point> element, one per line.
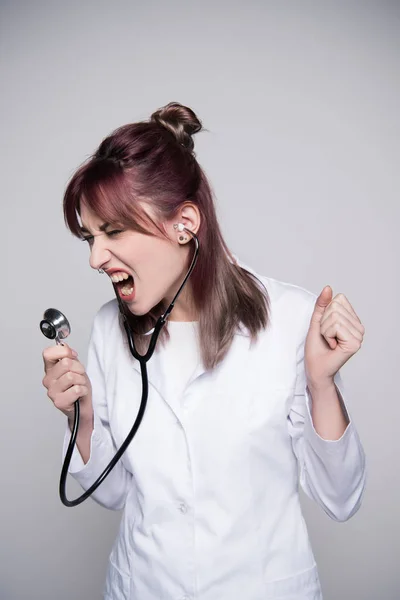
<point>55,325</point>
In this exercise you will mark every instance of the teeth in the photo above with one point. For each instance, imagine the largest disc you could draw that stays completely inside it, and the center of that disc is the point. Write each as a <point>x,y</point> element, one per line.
<point>127,291</point>
<point>116,277</point>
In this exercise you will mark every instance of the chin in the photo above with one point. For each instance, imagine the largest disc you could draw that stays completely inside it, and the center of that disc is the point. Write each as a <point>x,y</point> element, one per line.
<point>137,312</point>
<point>157,306</point>
<point>140,311</point>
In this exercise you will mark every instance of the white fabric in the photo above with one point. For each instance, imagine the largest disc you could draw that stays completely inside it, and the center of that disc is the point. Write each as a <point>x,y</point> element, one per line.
<point>180,357</point>
<point>209,485</point>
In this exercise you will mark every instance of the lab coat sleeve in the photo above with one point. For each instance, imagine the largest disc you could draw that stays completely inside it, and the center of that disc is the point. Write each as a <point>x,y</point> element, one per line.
<point>332,472</point>
<point>113,490</point>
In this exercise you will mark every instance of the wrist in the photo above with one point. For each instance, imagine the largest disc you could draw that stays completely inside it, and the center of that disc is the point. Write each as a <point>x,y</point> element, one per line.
<point>86,420</point>
<point>321,386</point>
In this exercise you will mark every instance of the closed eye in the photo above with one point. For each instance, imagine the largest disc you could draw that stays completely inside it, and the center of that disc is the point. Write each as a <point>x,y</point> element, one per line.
<point>90,238</point>
<point>114,233</point>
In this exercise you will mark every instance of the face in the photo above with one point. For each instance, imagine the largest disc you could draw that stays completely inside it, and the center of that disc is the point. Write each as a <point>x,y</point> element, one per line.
<point>156,264</point>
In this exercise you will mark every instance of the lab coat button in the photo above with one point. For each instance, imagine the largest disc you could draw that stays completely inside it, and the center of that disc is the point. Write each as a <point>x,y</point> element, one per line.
<point>183,509</point>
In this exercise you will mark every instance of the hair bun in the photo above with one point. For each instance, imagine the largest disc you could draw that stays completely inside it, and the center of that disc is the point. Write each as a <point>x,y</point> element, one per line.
<point>180,120</point>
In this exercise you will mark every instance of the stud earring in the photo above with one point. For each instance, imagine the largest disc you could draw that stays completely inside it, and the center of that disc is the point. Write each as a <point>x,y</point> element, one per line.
<point>182,238</point>
<point>100,271</point>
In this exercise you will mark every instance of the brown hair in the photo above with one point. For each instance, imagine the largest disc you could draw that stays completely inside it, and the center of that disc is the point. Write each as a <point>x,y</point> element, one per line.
<point>154,162</point>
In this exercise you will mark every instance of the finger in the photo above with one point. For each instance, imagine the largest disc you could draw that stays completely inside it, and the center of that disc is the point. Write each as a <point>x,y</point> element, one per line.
<point>339,333</point>
<point>53,354</point>
<point>65,401</point>
<point>340,309</point>
<point>341,299</point>
<point>63,366</point>
<point>67,381</point>
<point>340,336</point>
<point>336,321</point>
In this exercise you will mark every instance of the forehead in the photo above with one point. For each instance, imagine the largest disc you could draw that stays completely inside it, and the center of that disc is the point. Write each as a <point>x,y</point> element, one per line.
<point>91,222</point>
<point>88,219</point>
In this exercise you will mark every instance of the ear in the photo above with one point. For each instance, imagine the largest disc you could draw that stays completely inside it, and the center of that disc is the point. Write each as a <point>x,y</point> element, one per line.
<point>189,215</point>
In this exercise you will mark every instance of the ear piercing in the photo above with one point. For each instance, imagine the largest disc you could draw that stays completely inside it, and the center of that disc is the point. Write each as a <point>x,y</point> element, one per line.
<point>100,271</point>
<point>180,227</point>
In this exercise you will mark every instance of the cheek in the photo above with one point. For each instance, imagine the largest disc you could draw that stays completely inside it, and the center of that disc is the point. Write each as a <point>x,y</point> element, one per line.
<point>158,261</point>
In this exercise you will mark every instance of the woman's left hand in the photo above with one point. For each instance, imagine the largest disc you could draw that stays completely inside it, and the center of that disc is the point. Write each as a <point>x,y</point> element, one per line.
<point>335,334</point>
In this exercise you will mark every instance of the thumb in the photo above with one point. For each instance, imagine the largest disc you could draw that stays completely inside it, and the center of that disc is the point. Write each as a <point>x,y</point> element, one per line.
<point>321,303</point>
<point>71,352</point>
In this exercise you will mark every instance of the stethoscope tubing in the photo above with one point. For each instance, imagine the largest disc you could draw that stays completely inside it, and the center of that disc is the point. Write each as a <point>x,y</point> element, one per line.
<point>143,359</point>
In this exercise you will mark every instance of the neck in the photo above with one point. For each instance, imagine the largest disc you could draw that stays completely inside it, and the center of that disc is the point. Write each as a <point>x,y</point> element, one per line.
<point>184,309</point>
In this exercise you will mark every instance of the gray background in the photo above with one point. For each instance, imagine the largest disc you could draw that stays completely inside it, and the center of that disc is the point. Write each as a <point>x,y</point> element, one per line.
<point>301,100</point>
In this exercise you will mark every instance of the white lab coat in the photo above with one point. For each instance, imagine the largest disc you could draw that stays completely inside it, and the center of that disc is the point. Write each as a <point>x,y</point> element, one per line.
<point>210,490</point>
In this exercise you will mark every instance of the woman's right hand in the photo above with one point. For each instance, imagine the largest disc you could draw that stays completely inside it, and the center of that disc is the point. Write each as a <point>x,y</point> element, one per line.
<point>66,380</point>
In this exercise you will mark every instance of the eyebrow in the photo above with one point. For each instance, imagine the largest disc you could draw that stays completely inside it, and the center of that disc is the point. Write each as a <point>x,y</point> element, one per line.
<point>102,228</point>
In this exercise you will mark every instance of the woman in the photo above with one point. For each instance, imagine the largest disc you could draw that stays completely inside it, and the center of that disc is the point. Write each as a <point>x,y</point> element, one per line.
<point>245,394</point>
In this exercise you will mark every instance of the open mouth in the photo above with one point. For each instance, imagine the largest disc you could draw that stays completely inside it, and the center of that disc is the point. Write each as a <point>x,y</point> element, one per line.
<point>126,287</point>
<point>124,284</point>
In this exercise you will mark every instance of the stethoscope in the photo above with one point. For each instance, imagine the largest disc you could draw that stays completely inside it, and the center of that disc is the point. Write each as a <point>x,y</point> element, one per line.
<point>55,325</point>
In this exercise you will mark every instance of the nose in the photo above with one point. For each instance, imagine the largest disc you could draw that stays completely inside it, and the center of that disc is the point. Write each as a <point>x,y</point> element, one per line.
<point>99,253</point>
